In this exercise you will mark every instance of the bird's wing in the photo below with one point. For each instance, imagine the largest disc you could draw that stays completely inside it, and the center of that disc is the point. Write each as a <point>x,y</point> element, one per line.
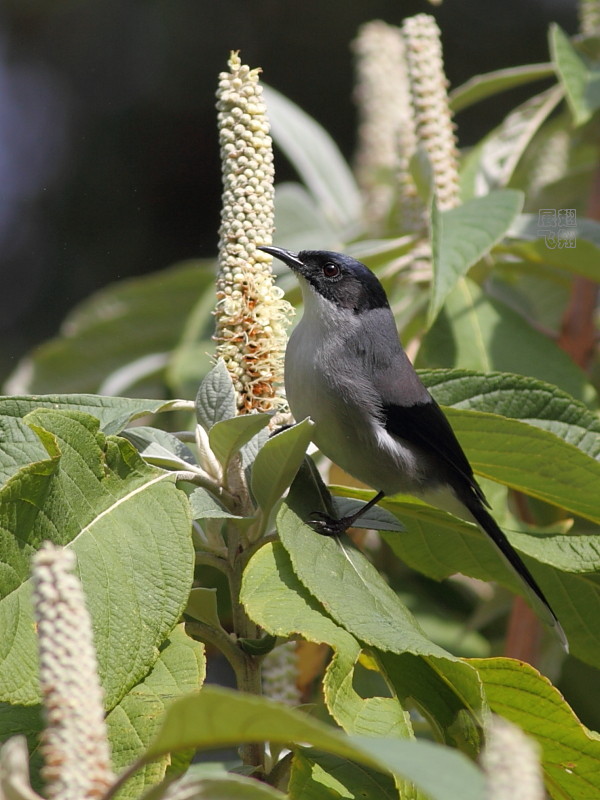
<point>425,425</point>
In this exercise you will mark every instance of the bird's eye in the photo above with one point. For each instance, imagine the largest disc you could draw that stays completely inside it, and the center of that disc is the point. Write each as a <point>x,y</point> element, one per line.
<point>331,270</point>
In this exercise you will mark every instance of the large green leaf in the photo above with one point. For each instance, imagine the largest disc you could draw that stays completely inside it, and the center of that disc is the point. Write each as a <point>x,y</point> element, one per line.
<point>579,76</point>
<point>321,776</point>
<point>570,752</point>
<point>530,460</point>
<point>316,158</point>
<point>566,566</point>
<point>277,601</point>
<point>130,527</point>
<point>113,413</point>
<point>518,397</point>
<point>228,436</point>
<point>477,332</point>
<point>480,87</point>
<point>131,325</point>
<point>355,595</point>
<point>220,717</point>
<point>277,463</point>
<point>538,242</point>
<point>463,235</point>
<point>134,721</point>
<point>492,163</point>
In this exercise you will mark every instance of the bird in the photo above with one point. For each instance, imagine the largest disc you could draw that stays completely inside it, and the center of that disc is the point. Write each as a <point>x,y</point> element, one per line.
<point>346,369</point>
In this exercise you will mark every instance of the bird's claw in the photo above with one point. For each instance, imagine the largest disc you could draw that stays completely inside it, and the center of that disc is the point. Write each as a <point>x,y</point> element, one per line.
<point>327,526</point>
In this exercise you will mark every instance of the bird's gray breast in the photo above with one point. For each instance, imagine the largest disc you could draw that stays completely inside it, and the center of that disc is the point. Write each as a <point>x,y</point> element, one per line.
<point>331,369</point>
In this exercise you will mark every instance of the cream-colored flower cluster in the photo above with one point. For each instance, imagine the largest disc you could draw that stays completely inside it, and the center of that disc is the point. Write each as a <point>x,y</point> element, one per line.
<point>403,109</point>
<point>511,762</point>
<point>589,17</point>
<point>386,132</point>
<point>74,742</point>
<point>251,314</point>
<point>280,674</point>
<point>432,115</point>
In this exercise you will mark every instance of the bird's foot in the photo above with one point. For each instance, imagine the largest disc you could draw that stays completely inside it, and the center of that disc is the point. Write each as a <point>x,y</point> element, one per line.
<point>329,526</point>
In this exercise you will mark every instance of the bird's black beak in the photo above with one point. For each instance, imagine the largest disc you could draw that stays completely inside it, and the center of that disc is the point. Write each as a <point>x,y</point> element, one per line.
<point>288,258</point>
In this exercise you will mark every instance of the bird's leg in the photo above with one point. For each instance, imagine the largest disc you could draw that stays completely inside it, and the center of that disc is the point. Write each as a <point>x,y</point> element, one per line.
<point>328,526</point>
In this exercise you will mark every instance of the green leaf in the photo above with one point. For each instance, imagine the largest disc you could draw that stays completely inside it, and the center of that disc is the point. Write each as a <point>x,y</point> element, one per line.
<point>205,506</point>
<point>363,603</point>
<point>215,400</point>
<point>133,722</point>
<point>463,235</point>
<point>316,158</point>
<point>276,600</point>
<point>581,80</point>
<point>530,460</point>
<point>202,605</point>
<point>492,163</point>
<point>376,518</point>
<point>160,448</point>
<point>219,717</point>
<point>130,528</point>
<point>440,545</point>
<point>277,463</point>
<point>131,325</point>
<point>320,776</point>
<point>518,397</point>
<point>539,243</point>
<point>477,332</point>
<point>113,413</point>
<point>480,87</point>
<point>570,753</point>
<point>229,435</point>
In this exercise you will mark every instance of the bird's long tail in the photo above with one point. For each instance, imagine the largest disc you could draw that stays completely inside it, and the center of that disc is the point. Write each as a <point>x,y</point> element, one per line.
<point>489,526</point>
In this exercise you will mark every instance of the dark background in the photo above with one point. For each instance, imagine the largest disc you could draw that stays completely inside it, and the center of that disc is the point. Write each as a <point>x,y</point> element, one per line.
<point>108,149</point>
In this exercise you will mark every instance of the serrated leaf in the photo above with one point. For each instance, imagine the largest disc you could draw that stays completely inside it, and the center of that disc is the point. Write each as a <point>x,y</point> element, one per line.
<point>463,235</point>
<point>276,600</point>
<point>130,528</point>
<point>215,400</point>
<point>113,413</point>
<point>518,397</point>
<point>277,463</point>
<point>581,80</point>
<point>117,326</point>
<point>133,722</point>
<point>480,87</point>
<point>477,332</point>
<point>570,753</point>
<point>228,436</point>
<point>219,717</point>
<point>317,159</point>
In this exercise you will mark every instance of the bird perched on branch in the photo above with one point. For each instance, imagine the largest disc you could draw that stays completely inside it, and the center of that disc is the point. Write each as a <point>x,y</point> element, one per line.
<point>346,369</point>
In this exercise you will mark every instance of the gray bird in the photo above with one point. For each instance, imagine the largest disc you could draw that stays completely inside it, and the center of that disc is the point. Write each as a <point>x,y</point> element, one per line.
<point>346,369</point>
